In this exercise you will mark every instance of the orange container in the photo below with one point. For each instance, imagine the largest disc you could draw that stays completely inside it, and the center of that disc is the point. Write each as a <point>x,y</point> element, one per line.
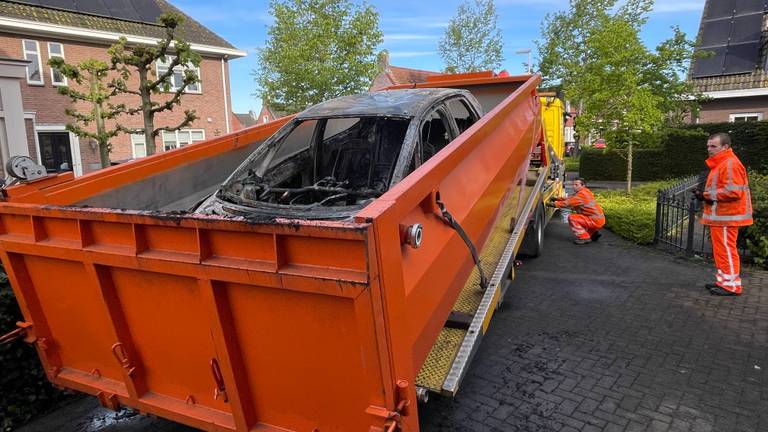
<point>227,325</point>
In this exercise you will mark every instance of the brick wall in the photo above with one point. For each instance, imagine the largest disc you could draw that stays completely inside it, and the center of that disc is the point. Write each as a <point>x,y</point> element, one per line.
<point>719,110</point>
<point>29,125</point>
<point>49,106</point>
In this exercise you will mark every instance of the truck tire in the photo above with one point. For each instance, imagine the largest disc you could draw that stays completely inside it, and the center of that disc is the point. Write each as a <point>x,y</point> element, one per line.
<point>533,242</point>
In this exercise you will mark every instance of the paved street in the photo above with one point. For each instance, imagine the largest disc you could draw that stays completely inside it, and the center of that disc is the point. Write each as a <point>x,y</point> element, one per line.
<point>611,337</point>
<point>603,337</point>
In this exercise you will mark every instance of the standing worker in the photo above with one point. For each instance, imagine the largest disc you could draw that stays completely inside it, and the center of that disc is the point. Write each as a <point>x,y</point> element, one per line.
<point>587,217</point>
<point>727,206</point>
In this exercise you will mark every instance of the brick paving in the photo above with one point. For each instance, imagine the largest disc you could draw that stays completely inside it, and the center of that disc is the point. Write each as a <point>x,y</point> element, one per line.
<point>612,337</point>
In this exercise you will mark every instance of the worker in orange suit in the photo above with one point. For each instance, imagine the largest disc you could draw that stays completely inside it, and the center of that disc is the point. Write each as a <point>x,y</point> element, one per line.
<point>587,217</point>
<point>727,206</point>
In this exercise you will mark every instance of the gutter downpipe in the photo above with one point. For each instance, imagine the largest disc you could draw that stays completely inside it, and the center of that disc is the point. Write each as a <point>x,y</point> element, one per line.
<point>226,95</point>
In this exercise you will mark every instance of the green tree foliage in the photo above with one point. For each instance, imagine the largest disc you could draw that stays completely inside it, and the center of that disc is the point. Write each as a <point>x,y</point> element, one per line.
<point>472,42</point>
<point>316,50</point>
<point>757,235</point>
<point>90,76</point>
<point>128,58</point>
<point>594,51</point>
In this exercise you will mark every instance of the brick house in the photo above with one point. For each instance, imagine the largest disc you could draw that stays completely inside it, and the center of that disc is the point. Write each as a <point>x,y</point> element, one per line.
<point>393,75</point>
<point>35,31</point>
<point>735,76</point>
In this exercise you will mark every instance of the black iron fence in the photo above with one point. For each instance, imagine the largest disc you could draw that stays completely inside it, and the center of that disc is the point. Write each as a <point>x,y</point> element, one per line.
<point>677,220</point>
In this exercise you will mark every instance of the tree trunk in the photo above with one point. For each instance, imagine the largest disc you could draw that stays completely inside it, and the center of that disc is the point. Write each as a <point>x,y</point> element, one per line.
<point>101,130</point>
<point>629,168</point>
<point>146,107</point>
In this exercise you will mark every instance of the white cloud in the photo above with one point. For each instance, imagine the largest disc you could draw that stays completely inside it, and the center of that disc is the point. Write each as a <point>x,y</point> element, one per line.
<point>407,37</point>
<point>678,6</point>
<point>404,54</point>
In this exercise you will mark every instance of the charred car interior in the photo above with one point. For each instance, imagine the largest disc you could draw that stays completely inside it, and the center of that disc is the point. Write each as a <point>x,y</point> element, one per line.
<point>336,157</point>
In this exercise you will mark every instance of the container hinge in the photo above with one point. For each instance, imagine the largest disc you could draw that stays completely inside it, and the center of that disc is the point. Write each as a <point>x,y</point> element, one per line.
<point>21,331</point>
<point>450,221</point>
<point>395,418</point>
<point>118,350</point>
<point>218,378</point>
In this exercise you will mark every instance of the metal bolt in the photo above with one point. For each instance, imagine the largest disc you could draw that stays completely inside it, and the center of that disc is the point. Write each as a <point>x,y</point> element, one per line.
<point>414,234</point>
<point>422,394</point>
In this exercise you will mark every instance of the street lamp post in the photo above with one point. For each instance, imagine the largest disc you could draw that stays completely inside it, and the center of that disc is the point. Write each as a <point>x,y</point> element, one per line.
<point>526,51</point>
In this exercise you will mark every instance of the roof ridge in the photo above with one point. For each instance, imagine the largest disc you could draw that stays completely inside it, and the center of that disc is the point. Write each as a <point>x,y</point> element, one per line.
<point>414,69</point>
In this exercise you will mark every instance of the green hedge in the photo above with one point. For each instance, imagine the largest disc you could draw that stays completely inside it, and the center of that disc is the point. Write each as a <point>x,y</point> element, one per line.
<point>757,234</point>
<point>647,164</point>
<point>680,153</point>
<point>632,217</point>
<point>26,391</point>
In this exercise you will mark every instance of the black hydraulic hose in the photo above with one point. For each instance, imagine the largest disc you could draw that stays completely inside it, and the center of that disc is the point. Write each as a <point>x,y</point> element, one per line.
<point>450,221</point>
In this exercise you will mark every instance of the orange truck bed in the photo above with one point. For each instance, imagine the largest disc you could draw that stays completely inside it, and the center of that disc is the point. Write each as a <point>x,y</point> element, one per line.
<point>228,324</point>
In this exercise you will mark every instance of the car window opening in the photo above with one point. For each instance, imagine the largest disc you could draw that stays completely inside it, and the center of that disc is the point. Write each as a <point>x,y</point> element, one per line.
<point>325,162</point>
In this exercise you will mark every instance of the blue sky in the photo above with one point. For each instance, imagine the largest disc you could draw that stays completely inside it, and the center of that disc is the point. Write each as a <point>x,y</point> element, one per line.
<point>412,29</point>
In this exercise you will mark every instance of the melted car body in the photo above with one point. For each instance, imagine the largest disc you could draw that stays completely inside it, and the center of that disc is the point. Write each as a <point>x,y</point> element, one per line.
<point>336,157</point>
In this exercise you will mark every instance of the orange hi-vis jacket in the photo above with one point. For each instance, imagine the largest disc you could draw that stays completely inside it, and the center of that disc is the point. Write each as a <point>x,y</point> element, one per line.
<point>584,203</point>
<point>727,198</point>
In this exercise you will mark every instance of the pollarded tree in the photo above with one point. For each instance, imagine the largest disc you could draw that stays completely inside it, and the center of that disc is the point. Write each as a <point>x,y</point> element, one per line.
<point>179,72</point>
<point>90,75</point>
<point>316,50</point>
<point>472,42</point>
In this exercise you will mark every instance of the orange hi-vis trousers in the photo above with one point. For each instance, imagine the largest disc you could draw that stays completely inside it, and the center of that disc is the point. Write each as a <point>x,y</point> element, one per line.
<point>584,226</point>
<point>726,257</point>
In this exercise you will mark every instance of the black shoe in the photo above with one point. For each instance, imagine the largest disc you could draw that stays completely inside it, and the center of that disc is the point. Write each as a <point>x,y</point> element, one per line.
<point>595,236</point>
<point>579,241</point>
<point>717,291</point>
<point>710,286</point>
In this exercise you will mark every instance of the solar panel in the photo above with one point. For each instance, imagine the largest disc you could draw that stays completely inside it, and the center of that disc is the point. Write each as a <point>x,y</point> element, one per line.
<point>95,7</point>
<point>710,66</point>
<point>747,28</point>
<point>132,10</point>
<point>748,6</point>
<point>719,9</point>
<point>123,9</point>
<point>715,33</point>
<point>148,10</point>
<point>741,58</point>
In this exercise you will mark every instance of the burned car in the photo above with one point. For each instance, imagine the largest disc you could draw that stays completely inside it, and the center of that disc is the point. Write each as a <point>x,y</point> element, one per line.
<point>336,157</point>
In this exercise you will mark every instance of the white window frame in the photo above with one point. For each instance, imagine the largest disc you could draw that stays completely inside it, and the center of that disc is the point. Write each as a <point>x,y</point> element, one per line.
<point>50,56</point>
<point>134,139</point>
<point>173,87</point>
<point>39,60</point>
<point>732,117</point>
<point>177,144</point>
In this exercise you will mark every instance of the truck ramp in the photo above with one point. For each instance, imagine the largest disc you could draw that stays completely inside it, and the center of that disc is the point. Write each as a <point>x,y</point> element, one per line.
<point>451,354</point>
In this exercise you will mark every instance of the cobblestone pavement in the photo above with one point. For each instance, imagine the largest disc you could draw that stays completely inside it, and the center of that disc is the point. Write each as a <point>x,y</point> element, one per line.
<point>611,337</point>
<point>603,337</point>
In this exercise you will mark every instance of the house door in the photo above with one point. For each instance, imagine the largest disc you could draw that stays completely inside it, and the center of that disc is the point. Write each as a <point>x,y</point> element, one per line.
<point>55,151</point>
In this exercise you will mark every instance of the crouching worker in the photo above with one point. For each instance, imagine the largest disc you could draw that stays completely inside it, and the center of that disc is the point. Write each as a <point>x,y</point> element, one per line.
<point>587,216</point>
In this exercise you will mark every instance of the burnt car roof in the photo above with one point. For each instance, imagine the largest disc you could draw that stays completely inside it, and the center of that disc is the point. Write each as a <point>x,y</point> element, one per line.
<point>401,103</point>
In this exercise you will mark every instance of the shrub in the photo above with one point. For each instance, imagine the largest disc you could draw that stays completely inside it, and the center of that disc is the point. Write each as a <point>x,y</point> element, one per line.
<point>572,164</point>
<point>26,391</point>
<point>756,235</point>
<point>647,165</point>
<point>632,217</point>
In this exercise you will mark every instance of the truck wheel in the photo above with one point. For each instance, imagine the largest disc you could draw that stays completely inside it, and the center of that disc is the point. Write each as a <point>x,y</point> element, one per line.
<point>533,242</point>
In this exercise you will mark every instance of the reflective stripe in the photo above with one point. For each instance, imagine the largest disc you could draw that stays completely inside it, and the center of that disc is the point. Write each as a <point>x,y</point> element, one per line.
<point>713,190</point>
<point>727,249</point>
<point>715,217</point>
<point>733,187</point>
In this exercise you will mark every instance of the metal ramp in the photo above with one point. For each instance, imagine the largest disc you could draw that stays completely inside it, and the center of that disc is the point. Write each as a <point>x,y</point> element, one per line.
<point>447,362</point>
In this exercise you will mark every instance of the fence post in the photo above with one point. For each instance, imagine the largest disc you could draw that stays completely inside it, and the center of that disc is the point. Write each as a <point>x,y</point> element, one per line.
<point>657,233</point>
<point>691,226</point>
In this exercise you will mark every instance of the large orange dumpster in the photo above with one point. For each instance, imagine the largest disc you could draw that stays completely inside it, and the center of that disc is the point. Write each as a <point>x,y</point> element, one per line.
<point>230,324</point>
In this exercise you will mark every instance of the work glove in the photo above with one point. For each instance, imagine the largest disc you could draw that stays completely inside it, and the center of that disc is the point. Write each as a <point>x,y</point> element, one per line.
<point>698,194</point>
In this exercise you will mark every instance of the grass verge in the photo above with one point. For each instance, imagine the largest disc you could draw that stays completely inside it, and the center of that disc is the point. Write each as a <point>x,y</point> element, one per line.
<point>632,217</point>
